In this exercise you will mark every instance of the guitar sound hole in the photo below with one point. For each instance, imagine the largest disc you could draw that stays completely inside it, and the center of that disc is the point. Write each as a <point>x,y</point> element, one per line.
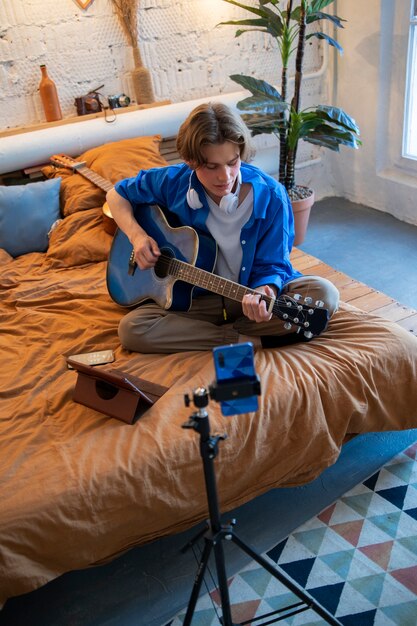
<point>162,264</point>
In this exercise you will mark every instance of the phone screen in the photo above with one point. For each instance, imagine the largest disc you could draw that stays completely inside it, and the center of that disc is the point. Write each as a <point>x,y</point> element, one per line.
<point>235,363</point>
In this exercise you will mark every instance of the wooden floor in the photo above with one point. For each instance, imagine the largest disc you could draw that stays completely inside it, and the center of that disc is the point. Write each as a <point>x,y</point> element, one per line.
<point>356,293</point>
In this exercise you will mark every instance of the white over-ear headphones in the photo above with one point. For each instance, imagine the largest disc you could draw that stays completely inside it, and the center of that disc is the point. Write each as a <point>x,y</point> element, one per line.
<point>192,196</point>
<point>228,203</point>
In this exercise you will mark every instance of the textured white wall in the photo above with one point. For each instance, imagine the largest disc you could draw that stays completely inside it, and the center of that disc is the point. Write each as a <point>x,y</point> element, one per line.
<point>187,55</point>
<point>190,58</point>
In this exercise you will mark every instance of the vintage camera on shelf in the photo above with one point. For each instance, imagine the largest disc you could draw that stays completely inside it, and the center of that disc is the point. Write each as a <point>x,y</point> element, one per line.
<point>118,101</point>
<point>90,103</point>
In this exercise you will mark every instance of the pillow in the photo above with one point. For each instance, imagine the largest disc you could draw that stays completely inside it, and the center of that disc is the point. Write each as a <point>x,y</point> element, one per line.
<point>79,239</point>
<point>5,257</point>
<point>112,161</point>
<point>27,213</point>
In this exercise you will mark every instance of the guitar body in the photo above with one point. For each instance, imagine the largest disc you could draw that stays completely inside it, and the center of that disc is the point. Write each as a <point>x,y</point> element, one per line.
<point>183,243</point>
<point>108,221</point>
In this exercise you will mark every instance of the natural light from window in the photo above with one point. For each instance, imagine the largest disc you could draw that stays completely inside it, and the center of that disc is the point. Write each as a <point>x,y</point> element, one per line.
<point>410,127</point>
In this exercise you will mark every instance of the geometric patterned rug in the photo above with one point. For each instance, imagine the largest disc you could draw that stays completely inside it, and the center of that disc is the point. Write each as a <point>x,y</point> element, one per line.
<point>357,558</point>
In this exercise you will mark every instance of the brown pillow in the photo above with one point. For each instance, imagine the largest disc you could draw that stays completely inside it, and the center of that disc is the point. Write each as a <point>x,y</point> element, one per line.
<point>5,257</point>
<point>113,161</point>
<point>79,239</point>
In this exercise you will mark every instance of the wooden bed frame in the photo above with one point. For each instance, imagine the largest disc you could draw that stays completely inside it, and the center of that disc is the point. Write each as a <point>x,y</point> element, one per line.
<point>357,293</point>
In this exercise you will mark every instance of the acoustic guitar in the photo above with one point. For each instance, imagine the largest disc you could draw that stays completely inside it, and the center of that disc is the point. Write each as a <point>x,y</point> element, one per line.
<point>62,160</point>
<point>187,261</point>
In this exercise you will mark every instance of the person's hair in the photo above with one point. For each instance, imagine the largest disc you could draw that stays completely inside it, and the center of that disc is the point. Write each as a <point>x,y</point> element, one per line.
<point>208,124</point>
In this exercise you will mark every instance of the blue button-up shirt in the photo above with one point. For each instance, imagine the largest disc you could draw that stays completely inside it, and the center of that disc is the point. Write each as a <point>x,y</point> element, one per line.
<point>269,232</point>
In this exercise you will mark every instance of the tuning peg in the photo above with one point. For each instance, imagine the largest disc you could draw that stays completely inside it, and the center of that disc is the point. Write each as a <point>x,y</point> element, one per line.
<point>308,299</point>
<point>297,296</point>
<point>287,325</point>
<point>319,303</point>
<point>308,334</point>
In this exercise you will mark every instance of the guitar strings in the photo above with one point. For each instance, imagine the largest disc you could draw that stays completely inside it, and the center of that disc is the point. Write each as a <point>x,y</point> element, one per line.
<point>282,306</point>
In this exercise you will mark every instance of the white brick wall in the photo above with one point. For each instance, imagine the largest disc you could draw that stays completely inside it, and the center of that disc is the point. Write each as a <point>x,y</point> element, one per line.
<point>187,55</point>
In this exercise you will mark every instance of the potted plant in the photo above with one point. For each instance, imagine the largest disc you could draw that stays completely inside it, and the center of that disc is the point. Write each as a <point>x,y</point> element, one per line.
<point>268,110</point>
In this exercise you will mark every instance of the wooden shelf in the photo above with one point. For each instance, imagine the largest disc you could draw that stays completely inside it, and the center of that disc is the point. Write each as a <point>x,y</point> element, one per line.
<point>81,118</point>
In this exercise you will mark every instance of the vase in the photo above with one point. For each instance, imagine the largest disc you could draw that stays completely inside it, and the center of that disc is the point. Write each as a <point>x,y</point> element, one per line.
<point>141,80</point>
<point>301,210</point>
<point>49,97</point>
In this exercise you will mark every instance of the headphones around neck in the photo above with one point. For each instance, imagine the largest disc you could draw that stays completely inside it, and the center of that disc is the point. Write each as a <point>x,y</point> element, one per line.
<point>228,203</point>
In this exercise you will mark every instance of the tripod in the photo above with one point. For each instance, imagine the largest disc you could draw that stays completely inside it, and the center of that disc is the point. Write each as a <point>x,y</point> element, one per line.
<point>215,533</point>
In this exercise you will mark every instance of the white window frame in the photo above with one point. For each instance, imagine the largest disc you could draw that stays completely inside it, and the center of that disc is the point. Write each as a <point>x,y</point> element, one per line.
<point>410,118</point>
<point>394,50</point>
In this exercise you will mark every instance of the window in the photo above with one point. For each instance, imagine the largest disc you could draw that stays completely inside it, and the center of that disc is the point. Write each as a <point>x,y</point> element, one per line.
<point>396,141</point>
<point>410,118</point>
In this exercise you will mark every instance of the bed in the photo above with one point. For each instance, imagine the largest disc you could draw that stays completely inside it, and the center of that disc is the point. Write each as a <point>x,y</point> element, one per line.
<point>78,487</point>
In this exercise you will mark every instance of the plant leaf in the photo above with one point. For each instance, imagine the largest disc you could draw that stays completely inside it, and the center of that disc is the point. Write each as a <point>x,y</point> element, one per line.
<point>256,86</point>
<point>338,116</point>
<point>328,136</point>
<point>330,40</point>
<point>318,5</point>
<point>260,21</point>
<point>263,106</point>
<point>261,128</point>
<point>314,17</point>
<point>312,125</point>
<point>259,12</point>
<point>273,23</point>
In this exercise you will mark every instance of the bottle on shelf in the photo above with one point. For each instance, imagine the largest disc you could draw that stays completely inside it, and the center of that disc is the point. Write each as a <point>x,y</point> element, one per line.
<point>49,97</point>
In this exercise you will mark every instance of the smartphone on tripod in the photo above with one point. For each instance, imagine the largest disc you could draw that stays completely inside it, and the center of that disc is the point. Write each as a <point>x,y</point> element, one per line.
<point>237,384</point>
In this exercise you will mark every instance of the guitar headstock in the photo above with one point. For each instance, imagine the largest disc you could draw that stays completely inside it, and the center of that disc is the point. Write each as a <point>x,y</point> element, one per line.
<point>62,160</point>
<point>311,318</point>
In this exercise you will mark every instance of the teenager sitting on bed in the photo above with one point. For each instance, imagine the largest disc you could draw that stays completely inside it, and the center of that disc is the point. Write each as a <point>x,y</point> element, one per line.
<point>247,213</point>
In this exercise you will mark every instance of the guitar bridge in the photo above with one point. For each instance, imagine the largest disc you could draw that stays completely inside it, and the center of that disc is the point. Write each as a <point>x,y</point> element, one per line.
<point>132,264</point>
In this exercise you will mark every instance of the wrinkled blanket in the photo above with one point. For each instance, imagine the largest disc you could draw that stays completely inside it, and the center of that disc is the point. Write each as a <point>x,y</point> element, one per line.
<point>77,487</point>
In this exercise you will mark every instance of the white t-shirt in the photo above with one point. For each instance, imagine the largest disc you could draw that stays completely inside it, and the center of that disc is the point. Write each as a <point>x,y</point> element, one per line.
<point>226,229</point>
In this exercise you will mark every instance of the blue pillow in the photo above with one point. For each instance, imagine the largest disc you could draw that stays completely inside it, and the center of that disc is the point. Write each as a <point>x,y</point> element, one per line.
<point>27,213</point>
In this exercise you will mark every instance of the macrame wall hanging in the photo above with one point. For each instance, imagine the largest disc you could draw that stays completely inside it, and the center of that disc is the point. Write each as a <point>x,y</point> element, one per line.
<point>127,12</point>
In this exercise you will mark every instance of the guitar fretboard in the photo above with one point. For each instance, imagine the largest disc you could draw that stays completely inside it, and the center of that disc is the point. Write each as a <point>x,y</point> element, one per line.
<point>201,278</point>
<point>225,287</point>
<point>94,178</point>
<point>282,307</point>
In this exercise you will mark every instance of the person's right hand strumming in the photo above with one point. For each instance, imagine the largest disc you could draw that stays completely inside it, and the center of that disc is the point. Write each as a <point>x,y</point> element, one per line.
<point>146,250</point>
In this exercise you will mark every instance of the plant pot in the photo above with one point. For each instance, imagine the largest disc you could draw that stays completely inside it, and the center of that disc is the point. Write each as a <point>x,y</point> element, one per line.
<point>301,210</point>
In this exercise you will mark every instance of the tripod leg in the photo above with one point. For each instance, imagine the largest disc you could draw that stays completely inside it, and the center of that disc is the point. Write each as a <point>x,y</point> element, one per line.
<point>223,586</point>
<point>217,546</point>
<point>287,582</point>
<point>197,584</point>
<point>195,592</point>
